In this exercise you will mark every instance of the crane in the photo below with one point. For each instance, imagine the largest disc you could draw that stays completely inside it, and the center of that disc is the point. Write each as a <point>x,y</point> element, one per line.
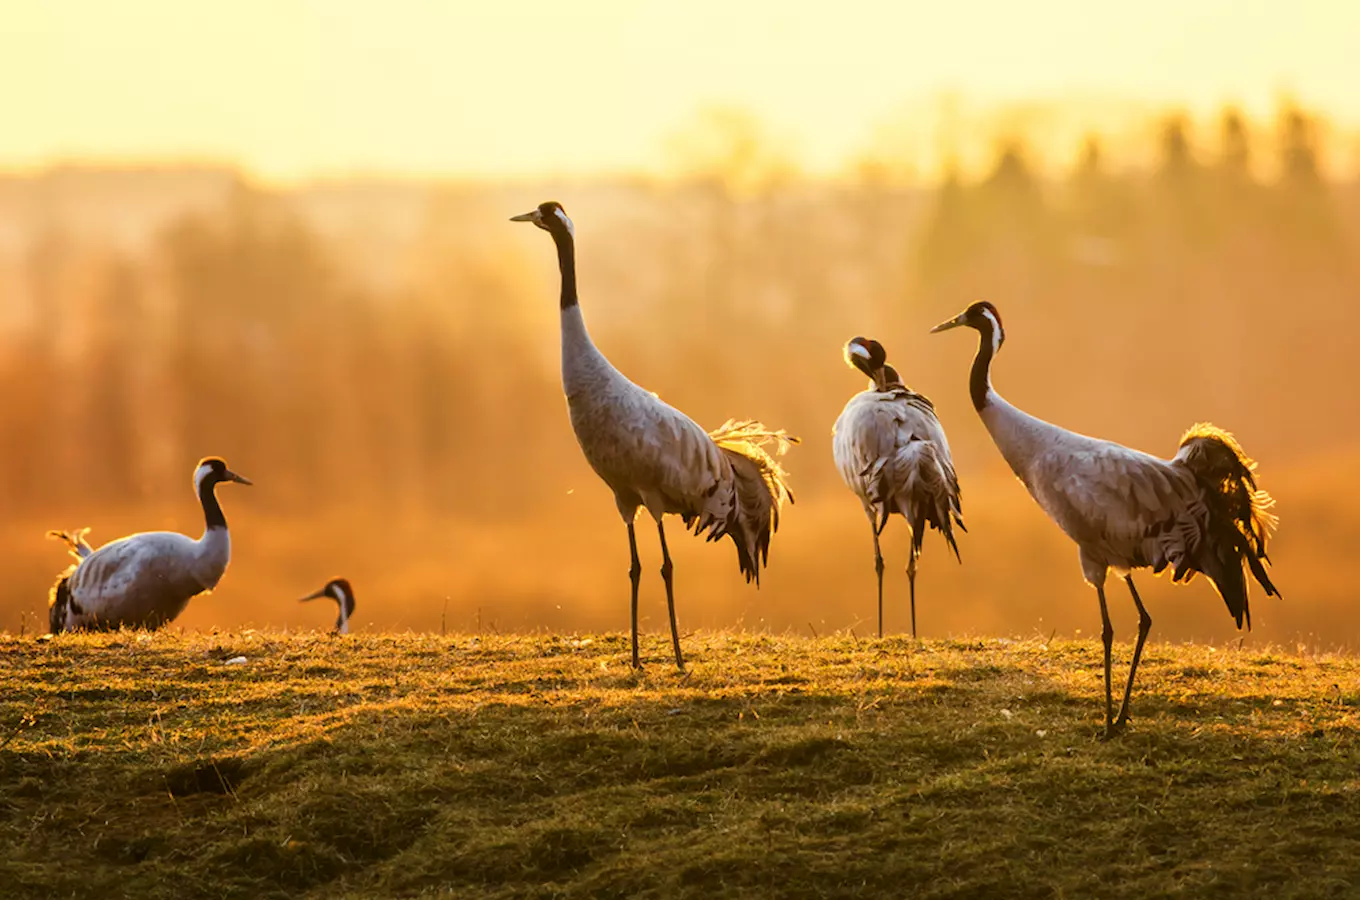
<point>723,483</point>
<point>1198,512</point>
<point>145,580</point>
<point>891,451</point>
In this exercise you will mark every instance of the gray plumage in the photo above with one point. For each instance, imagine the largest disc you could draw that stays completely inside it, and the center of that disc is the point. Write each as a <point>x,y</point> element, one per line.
<point>145,580</point>
<point>1198,512</point>
<point>891,451</point>
<point>723,483</point>
<point>652,455</point>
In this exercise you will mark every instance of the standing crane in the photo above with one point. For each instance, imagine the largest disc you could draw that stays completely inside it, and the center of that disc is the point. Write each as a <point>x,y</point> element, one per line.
<point>1198,512</point>
<point>339,590</point>
<point>144,580</point>
<point>891,451</point>
<point>721,483</point>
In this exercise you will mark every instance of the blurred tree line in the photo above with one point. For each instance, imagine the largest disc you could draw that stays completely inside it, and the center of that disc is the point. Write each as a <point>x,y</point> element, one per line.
<point>1222,272</point>
<point>1221,276</point>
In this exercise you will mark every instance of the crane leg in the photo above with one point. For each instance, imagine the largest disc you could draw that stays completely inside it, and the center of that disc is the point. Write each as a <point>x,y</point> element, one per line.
<point>911,581</point>
<point>1144,626</point>
<point>666,569</point>
<point>635,575</point>
<point>878,567</point>
<point>1107,635</point>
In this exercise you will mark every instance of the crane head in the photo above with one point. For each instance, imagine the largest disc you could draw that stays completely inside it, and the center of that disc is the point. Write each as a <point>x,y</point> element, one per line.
<point>339,590</point>
<point>548,215</point>
<point>213,470</point>
<point>981,316</point>
<point>865,354</point>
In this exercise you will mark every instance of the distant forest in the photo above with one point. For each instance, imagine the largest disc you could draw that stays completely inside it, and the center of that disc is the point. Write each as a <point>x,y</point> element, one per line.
<point>388,351</point>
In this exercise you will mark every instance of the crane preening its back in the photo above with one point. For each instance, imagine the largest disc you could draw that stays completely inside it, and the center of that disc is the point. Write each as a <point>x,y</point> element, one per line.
<point>723,483</point>
<point>339,590</point>
<point>144,580</point>
<point>890,449</point>
<point>1199,511</point>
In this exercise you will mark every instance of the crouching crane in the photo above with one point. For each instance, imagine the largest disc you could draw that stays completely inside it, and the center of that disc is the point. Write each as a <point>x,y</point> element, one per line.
<point>144,580</point>
<point>722,483</point>
<point>1198,512</point>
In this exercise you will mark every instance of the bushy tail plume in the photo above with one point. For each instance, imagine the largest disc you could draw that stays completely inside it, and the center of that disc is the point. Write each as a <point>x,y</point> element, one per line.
<point>1239,518</point>
<point>927,493</point>
<point>761,489</point>
<point>75,539</point>
<point>59,602</point>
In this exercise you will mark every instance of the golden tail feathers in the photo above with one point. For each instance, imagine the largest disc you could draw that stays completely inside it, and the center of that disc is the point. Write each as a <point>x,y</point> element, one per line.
<point>761,488</point>
<point>1240,520</point>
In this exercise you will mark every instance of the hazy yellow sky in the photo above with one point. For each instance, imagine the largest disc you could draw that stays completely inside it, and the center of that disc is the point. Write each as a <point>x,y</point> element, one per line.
<point>291,88</point>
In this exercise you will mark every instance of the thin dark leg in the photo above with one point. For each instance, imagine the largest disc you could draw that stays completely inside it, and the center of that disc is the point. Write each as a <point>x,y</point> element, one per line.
<point>1144,626</point>
<point>666,568</point>
<point>911,580</point>
<point>635,575</point>
<point>1107,635</point>
<point>878,567</point>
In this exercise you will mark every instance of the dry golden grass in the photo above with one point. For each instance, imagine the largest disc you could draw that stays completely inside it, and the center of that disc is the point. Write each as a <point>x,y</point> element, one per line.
<point>410,764</point>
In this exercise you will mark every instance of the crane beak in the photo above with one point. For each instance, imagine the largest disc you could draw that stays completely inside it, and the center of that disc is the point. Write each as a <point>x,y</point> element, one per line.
<point>239,479</point>
<point>320,593</point>
<point>945,326</point>
<point>530,216</point>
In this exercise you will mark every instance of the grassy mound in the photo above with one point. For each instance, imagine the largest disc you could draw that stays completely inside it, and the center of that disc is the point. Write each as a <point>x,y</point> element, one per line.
<point>413,765</point>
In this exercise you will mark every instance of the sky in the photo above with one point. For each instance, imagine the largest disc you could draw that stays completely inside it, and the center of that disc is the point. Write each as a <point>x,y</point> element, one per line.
<point>527,88</point>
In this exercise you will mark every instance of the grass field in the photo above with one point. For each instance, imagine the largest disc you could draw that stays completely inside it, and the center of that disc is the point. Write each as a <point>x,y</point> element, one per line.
<point>136,765</point>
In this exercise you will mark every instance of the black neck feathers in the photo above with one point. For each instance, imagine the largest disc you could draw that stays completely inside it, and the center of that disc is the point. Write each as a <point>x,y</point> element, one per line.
<point>566,261</point>
<point>212,510</point>
<point>979,380</point>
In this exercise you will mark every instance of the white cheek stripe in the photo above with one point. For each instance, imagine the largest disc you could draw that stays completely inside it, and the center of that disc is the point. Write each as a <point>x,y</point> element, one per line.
<point>571,229</point>
<point>859,350</point>
<point>996,331</point>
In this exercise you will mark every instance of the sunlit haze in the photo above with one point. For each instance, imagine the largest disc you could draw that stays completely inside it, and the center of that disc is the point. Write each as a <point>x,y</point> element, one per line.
<point>277,232</point>
<point>292,89</point>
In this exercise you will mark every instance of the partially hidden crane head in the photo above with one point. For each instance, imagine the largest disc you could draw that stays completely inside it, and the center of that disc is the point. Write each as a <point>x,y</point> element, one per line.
<point>212,470</point>
<point>548,215</point>
<point>981,316</point>
<point>869,357</point>
<point>865,354</point>
<point>337,589</point>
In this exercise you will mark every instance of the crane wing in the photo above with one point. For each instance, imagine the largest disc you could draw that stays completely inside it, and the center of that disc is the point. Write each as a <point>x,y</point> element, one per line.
<point>131,578</point>
<point>878,442</point>
<point>1108,496</point>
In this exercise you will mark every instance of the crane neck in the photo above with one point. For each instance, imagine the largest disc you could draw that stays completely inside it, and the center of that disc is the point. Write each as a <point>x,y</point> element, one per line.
<point>980,378</point>
<point>566,263</point>
<point>343,601</point>
<point>212,510</point>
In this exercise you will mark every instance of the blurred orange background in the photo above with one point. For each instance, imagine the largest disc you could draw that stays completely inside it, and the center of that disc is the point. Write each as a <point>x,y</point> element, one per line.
<point>276,232</point>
